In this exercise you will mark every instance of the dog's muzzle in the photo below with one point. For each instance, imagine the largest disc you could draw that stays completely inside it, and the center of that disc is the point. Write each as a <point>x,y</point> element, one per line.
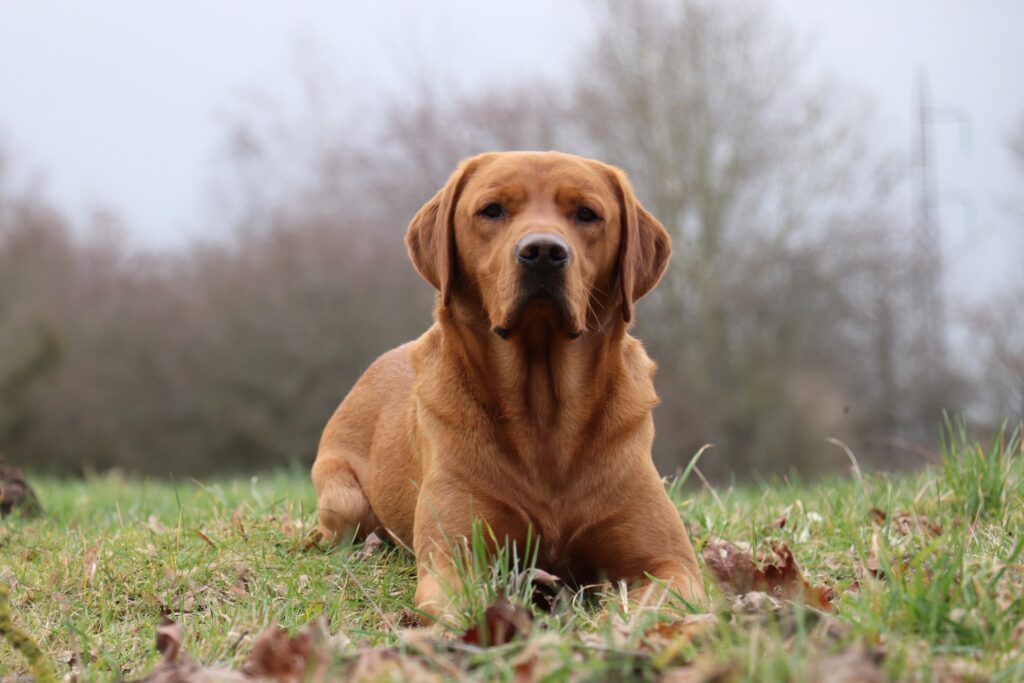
<point>543,259</point>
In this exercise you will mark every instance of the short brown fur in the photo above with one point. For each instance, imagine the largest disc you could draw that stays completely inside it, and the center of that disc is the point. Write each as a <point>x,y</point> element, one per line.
<point>545,425</point>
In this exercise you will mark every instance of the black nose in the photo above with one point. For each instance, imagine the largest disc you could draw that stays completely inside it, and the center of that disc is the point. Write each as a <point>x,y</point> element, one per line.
<point>543,253</point>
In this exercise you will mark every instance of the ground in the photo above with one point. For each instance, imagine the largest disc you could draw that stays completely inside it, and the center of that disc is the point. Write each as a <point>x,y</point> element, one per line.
<point>924,572</point>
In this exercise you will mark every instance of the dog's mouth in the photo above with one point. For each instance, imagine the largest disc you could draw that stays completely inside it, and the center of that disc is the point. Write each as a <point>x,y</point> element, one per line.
<point>539,306</point>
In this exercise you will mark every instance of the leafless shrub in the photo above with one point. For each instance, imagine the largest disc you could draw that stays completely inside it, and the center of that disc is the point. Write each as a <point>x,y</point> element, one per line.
<point>780,322</point>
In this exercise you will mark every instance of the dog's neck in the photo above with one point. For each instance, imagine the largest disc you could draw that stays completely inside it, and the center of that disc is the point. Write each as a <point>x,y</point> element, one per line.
<point>543,398</point>
<point>539,379</point>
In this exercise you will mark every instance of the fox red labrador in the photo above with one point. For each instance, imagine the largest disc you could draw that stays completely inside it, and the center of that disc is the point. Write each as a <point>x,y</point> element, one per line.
<point>527,404</point>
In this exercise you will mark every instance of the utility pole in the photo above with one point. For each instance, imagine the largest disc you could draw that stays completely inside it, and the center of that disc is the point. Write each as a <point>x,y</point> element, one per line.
<point>927,291</point>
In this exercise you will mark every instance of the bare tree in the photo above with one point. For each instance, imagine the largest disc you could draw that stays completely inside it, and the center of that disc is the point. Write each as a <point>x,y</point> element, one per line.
<point>999,327</point>
<point>781,322</point>
<point>768,180</point>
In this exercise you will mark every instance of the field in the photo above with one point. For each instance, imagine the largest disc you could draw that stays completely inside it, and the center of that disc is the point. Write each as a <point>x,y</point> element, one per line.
<point>924,573</point>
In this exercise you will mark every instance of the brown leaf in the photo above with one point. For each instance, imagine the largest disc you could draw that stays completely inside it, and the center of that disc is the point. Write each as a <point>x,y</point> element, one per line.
<point>525,670</point>
<point>668,640</point>
<point>275,657</point>
<point>502,622</point>
<point>206,538</point>
<point>62,601</point>
<point>370,544</point>
<point>673,632</point>
<point>16,496</point>
<point>240,589</point>
<point>286,525</point>
<point>775,573</point>
<point>178,667</point>
<point>236,520</point>
<point>952,669</point>
<point>388,665</point>
<point>154,525</point>
<point>284,659</point>
<point>543,578</point>
<point>312,540</point>
<point>90,559</point>
<point>754,602</point>
<point>704,670</point>
<point>547,588</point>
<point>874,564</point>
<point>304,543</point>
<point>907,523</point>
<point>849,667</point>
<point>169,635</point>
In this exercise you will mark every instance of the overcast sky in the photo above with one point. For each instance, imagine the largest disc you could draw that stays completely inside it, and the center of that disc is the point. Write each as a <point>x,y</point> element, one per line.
<point>121,103</point>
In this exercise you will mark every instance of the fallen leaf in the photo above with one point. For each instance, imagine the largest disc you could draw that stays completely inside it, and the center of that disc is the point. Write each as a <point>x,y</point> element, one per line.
<point>669,639</point>
<point>370,544</point>
<point>952,669</point>
<point>685,629</point>
<point>501,623</point>
<point>286,525</point>
<point>62,601</point>
<point>849,667</point>
<point>543,578</point>
<point>907,523</point>
<point>90,558</point>
<point>388,665</point>
<point>73,661</point>
<point>704,670</point>
<point>240,589</point>
<point>754,602</point>
<point>548,589</point>
<point>177,666</point>
<point>525,670</point>
<point>206,538</point>
<point>310,541</point>
<point>275,657</point>
<point>874,564</point>
<point>285,659</point>
<point>154,525</point>
<point>169,635</point>
<point>775,573</point>
<point>16,496</point>
<point>236,520</point>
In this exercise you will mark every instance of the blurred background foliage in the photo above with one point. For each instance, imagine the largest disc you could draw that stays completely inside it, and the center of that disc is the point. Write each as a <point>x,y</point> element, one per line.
<point>784,318</point>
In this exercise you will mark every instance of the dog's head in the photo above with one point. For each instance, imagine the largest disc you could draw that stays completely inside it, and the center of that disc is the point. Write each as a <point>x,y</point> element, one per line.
<point>539,238</point>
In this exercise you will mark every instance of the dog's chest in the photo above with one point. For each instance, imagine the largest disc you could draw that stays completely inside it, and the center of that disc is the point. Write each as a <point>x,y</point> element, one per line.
<point>557,520</point>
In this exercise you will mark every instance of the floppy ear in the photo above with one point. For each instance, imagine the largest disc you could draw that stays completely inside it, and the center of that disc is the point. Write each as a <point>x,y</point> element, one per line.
<point>644,248</point>
<point>431,235</point>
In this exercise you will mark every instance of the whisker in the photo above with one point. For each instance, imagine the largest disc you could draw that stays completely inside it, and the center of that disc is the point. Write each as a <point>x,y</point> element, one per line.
<point>484,277</point>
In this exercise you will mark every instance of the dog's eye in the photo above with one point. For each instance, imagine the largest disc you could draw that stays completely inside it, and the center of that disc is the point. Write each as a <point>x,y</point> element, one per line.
<point>585,214</point>
<point>493,211</point>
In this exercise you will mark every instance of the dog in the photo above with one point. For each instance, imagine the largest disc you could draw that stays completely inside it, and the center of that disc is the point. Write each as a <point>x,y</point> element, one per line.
<point>527,405</point>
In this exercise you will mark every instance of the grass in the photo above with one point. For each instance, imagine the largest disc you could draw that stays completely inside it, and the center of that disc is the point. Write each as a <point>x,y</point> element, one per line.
<point>930,583</point>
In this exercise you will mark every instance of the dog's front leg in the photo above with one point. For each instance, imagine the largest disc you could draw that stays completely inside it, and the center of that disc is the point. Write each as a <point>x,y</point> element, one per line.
<point>443,540</point>
<point>443,524</point>
<point>436,580</point>
<point>646,544</point>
